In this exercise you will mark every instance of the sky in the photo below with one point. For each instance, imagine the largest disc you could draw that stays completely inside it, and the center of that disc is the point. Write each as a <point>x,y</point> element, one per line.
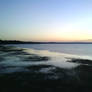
<point>46,20</point>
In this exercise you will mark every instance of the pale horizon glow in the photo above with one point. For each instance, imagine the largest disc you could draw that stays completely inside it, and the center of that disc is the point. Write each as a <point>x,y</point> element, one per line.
<point>46,20</point>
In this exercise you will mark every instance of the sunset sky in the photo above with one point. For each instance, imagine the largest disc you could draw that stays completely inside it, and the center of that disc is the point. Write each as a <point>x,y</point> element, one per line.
<point>46,20</point>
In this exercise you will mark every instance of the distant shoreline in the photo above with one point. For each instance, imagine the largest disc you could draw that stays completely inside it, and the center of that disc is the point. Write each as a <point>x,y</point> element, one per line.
<point>29,42</point>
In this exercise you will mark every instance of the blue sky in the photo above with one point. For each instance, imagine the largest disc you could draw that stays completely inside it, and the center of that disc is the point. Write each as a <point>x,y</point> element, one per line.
<point>46,20</point>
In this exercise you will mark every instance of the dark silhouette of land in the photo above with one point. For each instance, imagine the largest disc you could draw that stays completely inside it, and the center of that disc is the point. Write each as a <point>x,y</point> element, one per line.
<point>31,42</point>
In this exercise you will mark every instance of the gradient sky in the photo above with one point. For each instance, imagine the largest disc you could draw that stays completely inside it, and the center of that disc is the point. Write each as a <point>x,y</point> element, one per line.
<point>46,20</point>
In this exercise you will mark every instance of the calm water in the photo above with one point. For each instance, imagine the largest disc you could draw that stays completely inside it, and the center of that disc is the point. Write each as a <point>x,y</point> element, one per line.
<point>75,49</point>
<point>59,55</point>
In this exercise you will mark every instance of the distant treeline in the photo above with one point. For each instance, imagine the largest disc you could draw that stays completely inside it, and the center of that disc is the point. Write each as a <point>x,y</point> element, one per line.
<point>17,42</point>
<point>30,42</point>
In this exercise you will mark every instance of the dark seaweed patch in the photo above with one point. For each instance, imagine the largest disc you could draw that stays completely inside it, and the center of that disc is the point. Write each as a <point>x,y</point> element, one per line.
<point>36,58</point>
<point>83,61</point>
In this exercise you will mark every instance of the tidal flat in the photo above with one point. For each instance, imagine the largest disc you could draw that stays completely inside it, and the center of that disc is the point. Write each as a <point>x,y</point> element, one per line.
<point>21,71</point>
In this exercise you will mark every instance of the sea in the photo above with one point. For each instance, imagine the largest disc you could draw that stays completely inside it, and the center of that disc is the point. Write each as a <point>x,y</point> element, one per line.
<point>59,53</point>
<point>73,49</point>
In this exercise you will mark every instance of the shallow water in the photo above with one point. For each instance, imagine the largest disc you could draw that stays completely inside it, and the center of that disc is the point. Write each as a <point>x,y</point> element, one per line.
<point>56,59</point>
<point>54,51</point>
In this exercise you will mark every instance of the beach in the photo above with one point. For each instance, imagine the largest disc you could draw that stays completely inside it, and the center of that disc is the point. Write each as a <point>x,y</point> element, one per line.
<point>23,69</point>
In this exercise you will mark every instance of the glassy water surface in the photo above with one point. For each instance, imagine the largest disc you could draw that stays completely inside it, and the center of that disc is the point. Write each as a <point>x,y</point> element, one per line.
<point>75,49</point>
